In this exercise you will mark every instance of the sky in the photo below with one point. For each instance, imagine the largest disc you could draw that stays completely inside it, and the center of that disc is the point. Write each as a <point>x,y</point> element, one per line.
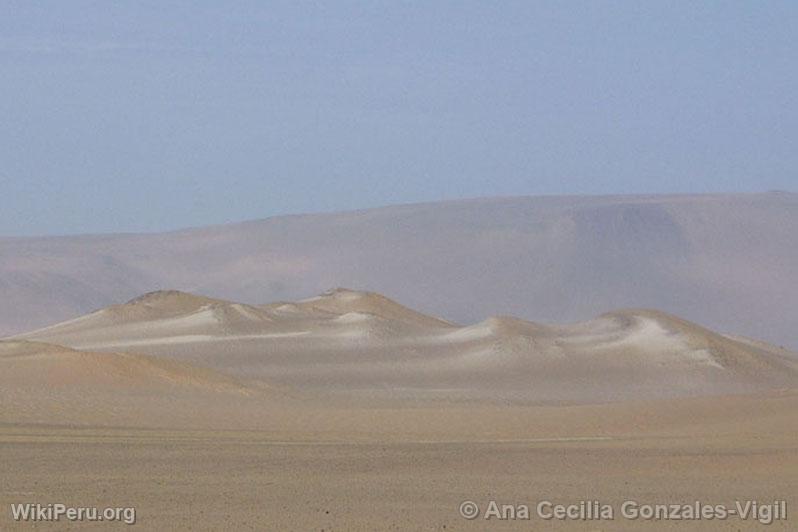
<point>150,116</point>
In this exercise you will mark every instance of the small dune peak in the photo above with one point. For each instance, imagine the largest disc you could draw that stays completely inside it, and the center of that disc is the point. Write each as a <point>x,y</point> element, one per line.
<point>161,303</point>
<point>511,326</point>
<point>162,296</point>
<point>342,301</point>
<point>347,294</point>
<point>345,299</point>
<point>501,322</point>
<point>638,317</point>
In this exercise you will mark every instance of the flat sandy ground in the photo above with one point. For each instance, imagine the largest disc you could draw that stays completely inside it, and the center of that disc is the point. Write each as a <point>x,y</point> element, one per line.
<point>237,480</point>
<point>373,417</point>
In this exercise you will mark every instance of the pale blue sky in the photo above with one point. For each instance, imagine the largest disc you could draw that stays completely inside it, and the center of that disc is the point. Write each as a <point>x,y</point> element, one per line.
<point>144,116</point>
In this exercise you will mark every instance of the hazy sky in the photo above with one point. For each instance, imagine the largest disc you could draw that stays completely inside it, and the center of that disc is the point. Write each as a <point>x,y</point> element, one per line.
<point>140,116</point>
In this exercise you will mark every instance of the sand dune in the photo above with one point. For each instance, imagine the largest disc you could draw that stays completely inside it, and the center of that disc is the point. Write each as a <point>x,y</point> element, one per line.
<point>46,383</point>
<point>350,345</point>
<point>349,411</point>
<point>359,305</point>
<point>54,365</point>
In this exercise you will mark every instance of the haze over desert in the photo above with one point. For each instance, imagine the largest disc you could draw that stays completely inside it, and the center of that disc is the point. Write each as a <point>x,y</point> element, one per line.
<point>398,266</point>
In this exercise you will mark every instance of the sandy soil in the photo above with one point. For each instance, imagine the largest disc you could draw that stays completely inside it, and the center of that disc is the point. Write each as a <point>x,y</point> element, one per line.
<point>337,467</point>
<point>351,412</point>
<point>245,480</point>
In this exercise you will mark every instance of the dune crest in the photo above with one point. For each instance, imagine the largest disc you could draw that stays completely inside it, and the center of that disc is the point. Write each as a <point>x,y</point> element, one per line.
<point>361,345</point>
<point>343,301</point>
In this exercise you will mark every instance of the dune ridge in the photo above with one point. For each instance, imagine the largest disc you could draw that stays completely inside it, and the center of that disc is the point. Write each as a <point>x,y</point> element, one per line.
<point>360,346</point>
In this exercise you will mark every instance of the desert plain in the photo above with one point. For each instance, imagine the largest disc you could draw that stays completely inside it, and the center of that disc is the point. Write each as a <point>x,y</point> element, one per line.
<point>349,411</point>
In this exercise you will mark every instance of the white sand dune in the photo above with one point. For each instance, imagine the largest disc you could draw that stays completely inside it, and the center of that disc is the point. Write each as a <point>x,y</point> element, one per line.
<point>350,345</point>
<point>355,304</point>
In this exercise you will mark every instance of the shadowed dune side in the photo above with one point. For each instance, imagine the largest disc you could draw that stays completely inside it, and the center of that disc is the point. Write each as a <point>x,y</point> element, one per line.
<point>46,383</point>
<point>56,366</point>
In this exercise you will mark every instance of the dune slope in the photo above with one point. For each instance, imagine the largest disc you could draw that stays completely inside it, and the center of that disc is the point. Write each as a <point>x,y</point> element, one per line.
<point>352,345</point>
<point>52,384</point>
